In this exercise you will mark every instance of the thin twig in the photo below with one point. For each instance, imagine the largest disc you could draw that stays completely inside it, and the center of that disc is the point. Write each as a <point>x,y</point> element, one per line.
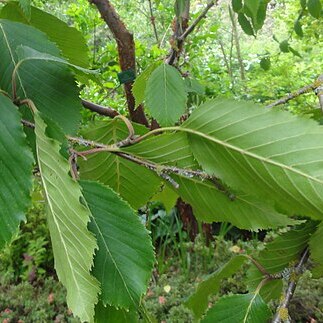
<point>128,124</point>
<point>319,90</point>
<point>259,266</point>
<point>289,292</point>
<point>306,89</point>
<point>109,112</point>
<point>202,15</point>
<point>152,19</point>
<point>237,43</point>
<point>28,124</point>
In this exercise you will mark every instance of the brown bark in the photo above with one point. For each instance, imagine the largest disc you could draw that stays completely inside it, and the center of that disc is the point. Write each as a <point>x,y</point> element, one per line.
<point>126,52</point>
<point>190,224</point>
<point>105,111</point>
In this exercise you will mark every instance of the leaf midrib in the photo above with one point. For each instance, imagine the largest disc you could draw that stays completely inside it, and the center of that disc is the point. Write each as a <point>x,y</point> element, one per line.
<point>241,151</point>
<point>112,258</point>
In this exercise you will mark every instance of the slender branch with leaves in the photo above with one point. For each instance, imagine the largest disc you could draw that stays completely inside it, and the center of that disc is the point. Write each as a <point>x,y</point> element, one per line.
<point>233,161</point>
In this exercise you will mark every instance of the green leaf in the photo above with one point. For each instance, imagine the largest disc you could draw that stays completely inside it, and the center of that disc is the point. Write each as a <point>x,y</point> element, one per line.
<point>56,96</point>
<point>134,183</point>
<point>104,314</point>
<point>124,261</point>
<point>303,3</point>
<point>261,15</point>
<point>295,52</point>
<point>166,196</point>
<point>25,6</point>
<point>316,251</point>
<point>247,308</point>
<point>284,46</point>
<point>277,256</point>
<point>166,149</point>
<point>68,39</point>
<point>15,171</point>
<point>165,95</point>
<point>26,54</point>
<point>73,245</point>
<point>139,86</point>
<point>267,153</point>
<point>198,301</point>
<point>209,202</point>
<point>245,24</point>
<point>236,5</point>
<point>252,6</point>
<point>265,63</point>
<point>194,86</point>
<point>314,8</point>
<point>298,28</point>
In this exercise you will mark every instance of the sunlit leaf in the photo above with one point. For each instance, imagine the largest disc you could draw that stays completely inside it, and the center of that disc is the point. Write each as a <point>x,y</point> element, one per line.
<point>73,244</point>
<point>166,95</point>
<point>267,153</point>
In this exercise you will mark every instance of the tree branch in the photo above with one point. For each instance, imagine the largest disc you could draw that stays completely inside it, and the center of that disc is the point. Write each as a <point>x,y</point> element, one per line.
<point>126,52</point>
<point>152,19</point>
<point>197,20</point>
<point>237,43</point>
<point>109,112</point>
<point>180,24</point>
<point>282,310</point>
<point>306,89</point>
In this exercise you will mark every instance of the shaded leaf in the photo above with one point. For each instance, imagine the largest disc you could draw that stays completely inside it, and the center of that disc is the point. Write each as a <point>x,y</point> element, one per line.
<point>303,3</point>
<point>295,52</point>
<point>15,171</point>
<point>267,153</point>
<point>261,14</point>
<point>166,196</point>
<point>236,5</point>
<point>265,63</point>
<point>284,46</point>
<point>104,314</point>
<point>316,251</point>
<point>69,40</point>
<point>26,54</point>
<point>278,255</point>
<point>314,8</point>
<point>252,6</point>
<point>73,245</point>
<point>25,6</point>
<point>211,204</point>
<point>194,86</point>
<point>245,24</point>
<point>166,95</point>
<point>298,28</point>
<point>198,301</point>
<point>56,96</point>
<point>247,308</point>
<point>134,183</point>
<point>125,258</point>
